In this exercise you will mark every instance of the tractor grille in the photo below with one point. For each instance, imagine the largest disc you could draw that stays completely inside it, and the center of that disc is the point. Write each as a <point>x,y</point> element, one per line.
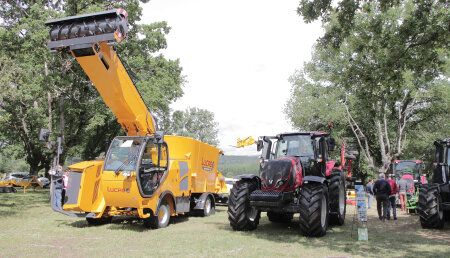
<point>270,198</point>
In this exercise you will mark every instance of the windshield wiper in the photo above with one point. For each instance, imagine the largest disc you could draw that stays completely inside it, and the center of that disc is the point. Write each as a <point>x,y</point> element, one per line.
<point>133,158</point>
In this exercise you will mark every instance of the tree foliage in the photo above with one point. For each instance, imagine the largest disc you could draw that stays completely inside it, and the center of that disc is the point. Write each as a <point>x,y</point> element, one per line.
<point>43,90</point>
<point>196,123</point>
<point>380,70</point>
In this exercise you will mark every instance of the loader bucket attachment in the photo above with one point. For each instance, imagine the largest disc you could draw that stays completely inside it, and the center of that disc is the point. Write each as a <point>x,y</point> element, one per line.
<point>82,30</point>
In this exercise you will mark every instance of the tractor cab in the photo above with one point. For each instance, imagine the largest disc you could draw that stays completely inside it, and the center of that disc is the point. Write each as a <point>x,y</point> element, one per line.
<point>146,157</point>
<point>411,169</point>
<point>309,148</point>
<point>441,172</point>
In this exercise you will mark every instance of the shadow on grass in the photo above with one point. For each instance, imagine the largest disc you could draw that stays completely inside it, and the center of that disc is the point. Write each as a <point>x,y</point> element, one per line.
<point>13,203</point>
<point>130,224</point>
<point>390,237</point>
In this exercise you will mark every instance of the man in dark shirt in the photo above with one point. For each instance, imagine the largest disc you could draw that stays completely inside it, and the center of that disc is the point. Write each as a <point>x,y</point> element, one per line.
<point>382,190</point>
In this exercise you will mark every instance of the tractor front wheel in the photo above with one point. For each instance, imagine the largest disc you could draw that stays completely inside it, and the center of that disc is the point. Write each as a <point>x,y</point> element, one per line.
<point>430,212</point>
<point>314,210</point>
<point>241,214</point>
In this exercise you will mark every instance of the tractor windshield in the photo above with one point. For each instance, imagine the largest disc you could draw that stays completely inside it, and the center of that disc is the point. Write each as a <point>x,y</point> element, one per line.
<point>295,146</point>
<point>407,167</point>
<point>123,154</point>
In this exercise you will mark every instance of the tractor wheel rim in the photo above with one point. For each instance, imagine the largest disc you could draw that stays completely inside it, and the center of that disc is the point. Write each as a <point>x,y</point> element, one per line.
<point>323,211</point>
<point>163,214</point>
<point>341,199</point>
<point>252,212</point>
<point>208,206</point>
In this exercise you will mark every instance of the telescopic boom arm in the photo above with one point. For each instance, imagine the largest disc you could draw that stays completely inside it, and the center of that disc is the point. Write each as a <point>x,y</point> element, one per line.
<point>91,39</point>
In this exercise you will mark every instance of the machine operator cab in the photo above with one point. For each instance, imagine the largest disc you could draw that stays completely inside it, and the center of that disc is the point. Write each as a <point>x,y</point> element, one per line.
<point>311,148</point>
<point>146,156</point>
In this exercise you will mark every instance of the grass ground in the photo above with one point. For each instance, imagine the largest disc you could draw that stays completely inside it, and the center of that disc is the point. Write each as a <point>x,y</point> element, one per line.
<point>28,227</point>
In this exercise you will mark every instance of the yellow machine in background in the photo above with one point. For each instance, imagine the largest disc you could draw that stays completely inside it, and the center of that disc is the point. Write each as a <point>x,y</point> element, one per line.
<point>246,142</point>
<point>146,173</point>
<point>28,182</point>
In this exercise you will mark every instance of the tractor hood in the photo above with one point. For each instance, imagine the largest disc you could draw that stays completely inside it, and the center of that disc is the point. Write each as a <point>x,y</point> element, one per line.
<point>283,174</point>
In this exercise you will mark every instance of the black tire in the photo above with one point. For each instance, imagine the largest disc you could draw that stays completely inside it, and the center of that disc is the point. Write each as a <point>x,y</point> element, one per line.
<point>431,216</point>
<point>241,215</point>
<point>314,210</point>
<point>208,209</point>
<point>338,206</point>
<point>280,217</point>
<point>161,218</point>
<point>99,221</point>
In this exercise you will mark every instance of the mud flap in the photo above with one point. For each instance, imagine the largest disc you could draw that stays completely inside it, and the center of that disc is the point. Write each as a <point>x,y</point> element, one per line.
<point>201,201</point>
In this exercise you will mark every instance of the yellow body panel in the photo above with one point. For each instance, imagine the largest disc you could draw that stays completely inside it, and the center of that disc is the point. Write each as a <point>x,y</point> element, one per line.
<point>106,190</point>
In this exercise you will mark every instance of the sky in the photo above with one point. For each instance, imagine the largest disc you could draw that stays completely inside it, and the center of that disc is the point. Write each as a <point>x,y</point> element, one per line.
<point>237,56</point>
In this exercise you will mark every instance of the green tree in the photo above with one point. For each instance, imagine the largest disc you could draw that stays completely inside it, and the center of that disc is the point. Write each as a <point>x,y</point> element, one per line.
<point>43,90</point>
<point>385,63</point>
<point>196,123</point>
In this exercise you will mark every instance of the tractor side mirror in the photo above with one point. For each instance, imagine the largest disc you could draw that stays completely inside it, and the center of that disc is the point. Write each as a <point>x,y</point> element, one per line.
<point>159,137</point>
<point>259,145</point>
<point>331,144</point>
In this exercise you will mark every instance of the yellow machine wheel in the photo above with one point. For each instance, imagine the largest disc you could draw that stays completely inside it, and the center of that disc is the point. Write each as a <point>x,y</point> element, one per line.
<point>208,209</point>
<point>161,218</point>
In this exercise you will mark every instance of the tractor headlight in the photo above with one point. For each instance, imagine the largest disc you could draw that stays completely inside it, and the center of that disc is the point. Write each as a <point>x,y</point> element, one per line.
<point>126,173</point>
<point>263,184</point>
<point>281,182</point>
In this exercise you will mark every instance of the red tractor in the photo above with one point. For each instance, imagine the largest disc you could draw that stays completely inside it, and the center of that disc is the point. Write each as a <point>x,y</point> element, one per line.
<point>296,175</point>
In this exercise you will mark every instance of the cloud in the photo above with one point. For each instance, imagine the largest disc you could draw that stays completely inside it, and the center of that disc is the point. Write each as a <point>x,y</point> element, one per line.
<point>237,56</point>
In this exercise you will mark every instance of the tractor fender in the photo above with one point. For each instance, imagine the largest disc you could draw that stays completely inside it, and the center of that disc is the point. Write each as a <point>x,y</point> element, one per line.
<point>200,203</point>
<point>162,196</point>
<point>249,177</point>
<point>317,179</point>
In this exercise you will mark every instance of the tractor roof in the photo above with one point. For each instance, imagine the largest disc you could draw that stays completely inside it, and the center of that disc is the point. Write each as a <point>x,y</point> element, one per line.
<point>312,133</point>
<point>416,161</point>
<point>446,141</point>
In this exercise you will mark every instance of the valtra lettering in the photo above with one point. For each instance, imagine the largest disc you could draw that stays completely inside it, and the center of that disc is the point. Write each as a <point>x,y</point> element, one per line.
<point>207,165</point>
<point>118,190</point>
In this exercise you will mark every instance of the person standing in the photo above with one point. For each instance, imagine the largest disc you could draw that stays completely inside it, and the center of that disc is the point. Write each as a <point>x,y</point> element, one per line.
<point>382,190</point>
<point>369,191</point>
<point>402,186</point>
<point>59,186</point>
<point>392,199</point>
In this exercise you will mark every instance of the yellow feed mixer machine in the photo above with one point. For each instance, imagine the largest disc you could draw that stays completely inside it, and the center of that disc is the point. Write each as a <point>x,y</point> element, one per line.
<point>145,174</point>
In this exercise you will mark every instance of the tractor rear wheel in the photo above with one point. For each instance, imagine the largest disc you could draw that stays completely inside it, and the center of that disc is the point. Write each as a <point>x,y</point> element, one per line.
<point>314,210</point>
<point>280,217</point>
<point>241,214</point>
<point>430,212</point>
<point>161,217</point>
<point>98,221</point>
<point>338,205</point>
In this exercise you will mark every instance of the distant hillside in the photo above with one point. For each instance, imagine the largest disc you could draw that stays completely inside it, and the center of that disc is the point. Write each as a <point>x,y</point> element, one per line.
<point>231,166</point>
